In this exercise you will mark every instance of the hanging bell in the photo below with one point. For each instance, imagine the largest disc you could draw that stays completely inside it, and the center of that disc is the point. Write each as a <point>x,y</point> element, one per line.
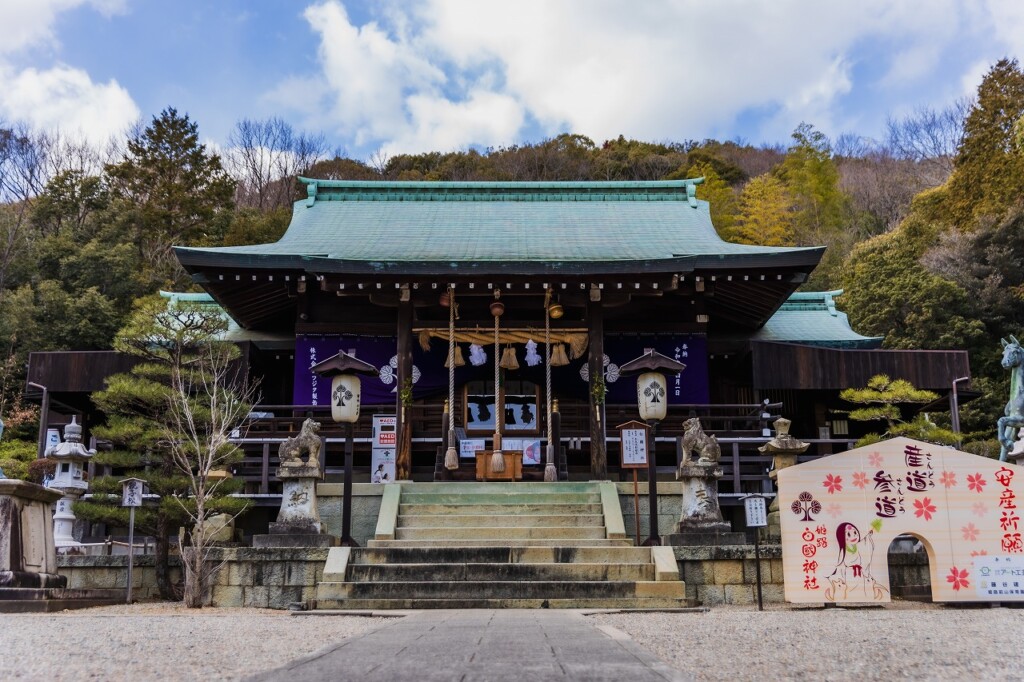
<point>508,359</point>
<point>558,357</point>
<point>459,360</point>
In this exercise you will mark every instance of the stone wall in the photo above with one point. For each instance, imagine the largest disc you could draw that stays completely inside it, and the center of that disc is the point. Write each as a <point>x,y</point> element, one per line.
<point>266,577</point>
<point>108,572</point>
<point>365,507</point>
<point>728,574</point>
<point>670,506</point>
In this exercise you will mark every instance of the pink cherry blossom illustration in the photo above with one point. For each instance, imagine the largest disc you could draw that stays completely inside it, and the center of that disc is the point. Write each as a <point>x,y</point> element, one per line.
<point>875,458</point>
<point>979,509</point>
<point>860,479</point>
<point>833,483</point>
<point>958,578</point>
<point>975,482</point>
<point>970,532</point>
<point>948,479</point>
<point>924,508</point>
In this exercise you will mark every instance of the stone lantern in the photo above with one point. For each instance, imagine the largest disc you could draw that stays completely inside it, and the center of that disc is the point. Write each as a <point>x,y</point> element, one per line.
<point>70,479</point>
<point>784,449</point>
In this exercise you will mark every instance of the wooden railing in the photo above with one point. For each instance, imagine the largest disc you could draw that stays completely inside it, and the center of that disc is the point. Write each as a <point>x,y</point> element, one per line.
<point>741,430</point>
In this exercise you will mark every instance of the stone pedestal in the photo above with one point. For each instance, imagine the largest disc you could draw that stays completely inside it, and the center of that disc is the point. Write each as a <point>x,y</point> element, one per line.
<point>64,524</point>
<point>298,522</point>
<point>27,555</point>
<point>1016,454</point>
<point>773,531</point>
<point>701,522</point>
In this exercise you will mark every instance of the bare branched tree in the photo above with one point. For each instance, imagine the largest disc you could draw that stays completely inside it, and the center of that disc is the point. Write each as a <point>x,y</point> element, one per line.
<point>265,155</point>
<point>930,138</point>
<point>208,400</point>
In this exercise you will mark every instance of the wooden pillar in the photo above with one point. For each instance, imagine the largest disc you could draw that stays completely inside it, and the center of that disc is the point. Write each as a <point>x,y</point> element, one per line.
<point>595,364</point>
<point>403,449</point>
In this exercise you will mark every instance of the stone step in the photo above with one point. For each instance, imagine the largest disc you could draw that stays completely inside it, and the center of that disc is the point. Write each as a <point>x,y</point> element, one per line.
<point>478,520</point>
<point>405,509</point>
<point>653,603</point>
<point>512,498</point>
<point>502,533</point>
<point>506,542</point>
<point>493,589</point>
<point>470,554</point>
<point>500,572</point>
<point>500,487</point>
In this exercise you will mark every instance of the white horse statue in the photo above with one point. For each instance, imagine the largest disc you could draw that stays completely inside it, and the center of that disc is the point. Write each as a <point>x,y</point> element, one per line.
<point>1007,426</point>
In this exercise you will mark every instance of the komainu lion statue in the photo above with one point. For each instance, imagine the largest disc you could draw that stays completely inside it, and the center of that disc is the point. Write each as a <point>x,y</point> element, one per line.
<point>695,440</point>
<point>308,441</point>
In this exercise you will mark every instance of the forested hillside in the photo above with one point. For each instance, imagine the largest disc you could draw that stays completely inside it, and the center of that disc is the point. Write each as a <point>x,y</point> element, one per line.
<point>925,228</point>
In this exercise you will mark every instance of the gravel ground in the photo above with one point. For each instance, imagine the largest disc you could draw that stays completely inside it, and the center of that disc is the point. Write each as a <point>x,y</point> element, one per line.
<point>901,641</point>
<point>163,641</point>
<point>166,641</point>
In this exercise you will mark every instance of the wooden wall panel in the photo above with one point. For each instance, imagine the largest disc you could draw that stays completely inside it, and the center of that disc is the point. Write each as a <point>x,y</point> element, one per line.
<point>795,366</point>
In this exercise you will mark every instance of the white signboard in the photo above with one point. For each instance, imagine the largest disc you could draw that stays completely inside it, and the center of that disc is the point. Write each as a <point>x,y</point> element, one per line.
<point>634,448</point>
<point>468,447</point>
<point>382,465</point>
<point>999,577</point>
<point>532,453</point>
<point>757,515</point>
<point>131,493</point>
<point>839,515</point>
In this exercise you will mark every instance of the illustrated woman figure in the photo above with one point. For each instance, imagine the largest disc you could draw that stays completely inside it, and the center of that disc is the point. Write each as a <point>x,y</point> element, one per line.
<point>853,569</point>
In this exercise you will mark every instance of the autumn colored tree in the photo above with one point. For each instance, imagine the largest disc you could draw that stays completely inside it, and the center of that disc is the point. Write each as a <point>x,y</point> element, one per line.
<point>820,208</point>
<point>764,214</point>
<point>720,197</point>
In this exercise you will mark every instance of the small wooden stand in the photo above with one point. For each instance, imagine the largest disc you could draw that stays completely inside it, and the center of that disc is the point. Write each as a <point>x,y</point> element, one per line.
<point>633,439</point>
<point>513,466</point>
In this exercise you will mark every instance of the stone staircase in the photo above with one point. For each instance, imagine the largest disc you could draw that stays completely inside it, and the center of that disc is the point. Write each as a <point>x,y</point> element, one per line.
<point>500,545</point>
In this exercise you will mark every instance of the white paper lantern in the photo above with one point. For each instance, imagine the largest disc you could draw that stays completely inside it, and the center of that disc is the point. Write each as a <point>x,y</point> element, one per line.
<point>346,391</point>
<point>652,396</point>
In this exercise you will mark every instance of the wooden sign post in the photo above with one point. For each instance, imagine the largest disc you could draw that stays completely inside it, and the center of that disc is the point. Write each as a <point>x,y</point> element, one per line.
<point>757,517</point>
<point>131,496</point>
<point>633,438</point>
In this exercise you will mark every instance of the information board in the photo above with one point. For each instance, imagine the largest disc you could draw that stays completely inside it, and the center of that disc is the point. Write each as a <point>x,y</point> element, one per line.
<point>1000,577</point>
<point>757,514</point>
<point>634,446</point>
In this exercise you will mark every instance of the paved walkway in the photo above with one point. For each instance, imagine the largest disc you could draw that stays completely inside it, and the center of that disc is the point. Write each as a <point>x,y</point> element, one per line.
<point>483,645</point>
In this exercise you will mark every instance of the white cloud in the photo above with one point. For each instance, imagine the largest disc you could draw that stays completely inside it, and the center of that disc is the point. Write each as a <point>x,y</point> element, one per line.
<point>66,99</point>
<point>27,23</point>
<point>444,74</point>
<point>60,97</point>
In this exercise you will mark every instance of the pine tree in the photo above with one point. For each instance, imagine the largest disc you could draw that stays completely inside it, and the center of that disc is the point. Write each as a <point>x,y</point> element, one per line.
<point>882,398</point>
<point>170,342</point>
<point>171,191</point>
<point>988,172</point>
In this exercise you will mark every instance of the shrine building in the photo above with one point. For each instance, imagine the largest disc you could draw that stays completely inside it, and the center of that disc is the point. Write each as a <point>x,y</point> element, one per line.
<point>616,268</point>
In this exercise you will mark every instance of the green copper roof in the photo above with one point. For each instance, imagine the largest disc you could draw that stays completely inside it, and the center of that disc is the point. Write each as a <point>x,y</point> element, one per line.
<point>381,225</point>
<point>811,317</point>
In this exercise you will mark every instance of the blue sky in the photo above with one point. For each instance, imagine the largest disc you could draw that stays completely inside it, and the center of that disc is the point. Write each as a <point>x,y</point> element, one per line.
<point>414,75</point>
